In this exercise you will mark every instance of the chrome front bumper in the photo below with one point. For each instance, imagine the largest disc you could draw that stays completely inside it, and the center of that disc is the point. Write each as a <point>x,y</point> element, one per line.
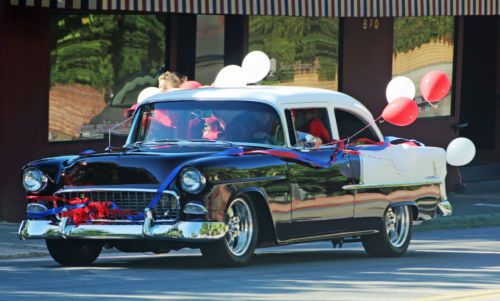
<point>445,208</point>
<point>179,231</point>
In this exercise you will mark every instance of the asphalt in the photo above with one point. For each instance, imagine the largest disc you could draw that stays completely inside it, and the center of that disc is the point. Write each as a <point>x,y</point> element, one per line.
<point>466,207</point>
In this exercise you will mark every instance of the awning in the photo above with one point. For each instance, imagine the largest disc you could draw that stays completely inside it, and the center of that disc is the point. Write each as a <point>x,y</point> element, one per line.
<point>313,8</point>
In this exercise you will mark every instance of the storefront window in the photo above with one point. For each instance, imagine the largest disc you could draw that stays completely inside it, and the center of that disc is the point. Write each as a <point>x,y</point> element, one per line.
<point>303,50</point>
<point>99,64</point>
<point>209,48</point>
<point>423,44</point>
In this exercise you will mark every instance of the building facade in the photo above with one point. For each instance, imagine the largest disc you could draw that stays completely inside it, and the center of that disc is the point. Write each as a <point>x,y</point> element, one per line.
<point>70,68</point>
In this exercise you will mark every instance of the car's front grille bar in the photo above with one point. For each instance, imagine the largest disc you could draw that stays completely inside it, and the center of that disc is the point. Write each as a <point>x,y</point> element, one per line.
<point>135,199</point>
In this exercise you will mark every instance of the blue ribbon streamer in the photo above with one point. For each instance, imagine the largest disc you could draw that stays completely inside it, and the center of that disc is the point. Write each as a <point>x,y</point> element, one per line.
<point>235,151</point>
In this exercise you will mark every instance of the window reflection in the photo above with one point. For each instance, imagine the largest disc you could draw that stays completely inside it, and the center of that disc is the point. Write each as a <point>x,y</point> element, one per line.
<point>99,64</point>
<point>209,48</point>
<point>303,50</point>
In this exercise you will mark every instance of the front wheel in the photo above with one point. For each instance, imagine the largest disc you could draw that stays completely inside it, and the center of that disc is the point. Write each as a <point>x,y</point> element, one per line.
<point>238,246</point>
<point>74,252</point>
<point>394,235</point>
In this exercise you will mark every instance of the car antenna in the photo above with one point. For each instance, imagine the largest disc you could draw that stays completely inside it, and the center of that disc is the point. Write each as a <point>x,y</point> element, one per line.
<point>109,149</point>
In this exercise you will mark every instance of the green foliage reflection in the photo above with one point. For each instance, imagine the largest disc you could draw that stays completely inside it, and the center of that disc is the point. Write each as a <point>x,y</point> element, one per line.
<point>104,51</point>
<point>292,40</point>
<point>413,32</point>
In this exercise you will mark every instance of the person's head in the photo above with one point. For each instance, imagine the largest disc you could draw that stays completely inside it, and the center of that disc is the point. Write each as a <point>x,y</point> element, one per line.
<point>308,114</point>
<point>170,80</point>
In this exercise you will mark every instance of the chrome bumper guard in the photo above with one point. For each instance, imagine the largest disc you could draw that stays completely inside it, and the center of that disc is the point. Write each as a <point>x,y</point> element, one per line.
<point>445,208</point>
<point>179,231</point>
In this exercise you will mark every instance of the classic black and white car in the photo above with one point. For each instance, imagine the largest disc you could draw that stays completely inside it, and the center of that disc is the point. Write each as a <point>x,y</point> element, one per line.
<point>228,170</point>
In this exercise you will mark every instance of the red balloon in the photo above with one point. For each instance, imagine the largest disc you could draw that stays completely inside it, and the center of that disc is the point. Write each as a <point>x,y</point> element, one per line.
<point>434,86</point>
<point>402,111</point>
<point>191,84</point>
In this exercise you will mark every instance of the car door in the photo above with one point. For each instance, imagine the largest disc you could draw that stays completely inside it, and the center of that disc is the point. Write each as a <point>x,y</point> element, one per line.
<point>369,204</point>
<point>319,204</point>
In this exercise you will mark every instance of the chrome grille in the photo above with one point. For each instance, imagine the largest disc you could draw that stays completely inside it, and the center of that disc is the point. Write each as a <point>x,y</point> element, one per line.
<point>134,199</point>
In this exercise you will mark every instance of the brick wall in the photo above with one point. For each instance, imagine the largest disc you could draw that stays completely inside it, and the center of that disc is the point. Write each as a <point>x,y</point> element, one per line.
<point>70,107</point>
<point>426,55</point>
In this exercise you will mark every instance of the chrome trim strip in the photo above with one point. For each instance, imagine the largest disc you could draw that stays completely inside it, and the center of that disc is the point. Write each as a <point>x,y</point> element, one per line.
<point>180,231</point>
<point>69,190</point>
<point>244,180</point>
<point>202,209</point>
<point>365,186</point>
<point>326,237</point>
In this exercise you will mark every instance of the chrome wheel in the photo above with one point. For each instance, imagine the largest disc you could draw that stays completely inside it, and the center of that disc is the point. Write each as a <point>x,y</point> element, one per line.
<point>397,225</point>
<point>394,234</point>
<point>240,227</point>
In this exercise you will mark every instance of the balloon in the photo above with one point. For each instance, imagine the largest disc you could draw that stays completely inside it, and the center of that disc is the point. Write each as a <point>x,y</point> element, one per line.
<point>230,76</point>
<point>434,86</point>
<point>400,86</point>
<point>401,112</point>
<point>190,84</point>
<point>405,158</point>
<point>146,93</point>
<point>460,152</point>
<point>256,66</point>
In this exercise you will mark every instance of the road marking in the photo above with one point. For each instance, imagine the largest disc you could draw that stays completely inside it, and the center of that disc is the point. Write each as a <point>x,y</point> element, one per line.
<point>487,205</point>
<point>467,296</point>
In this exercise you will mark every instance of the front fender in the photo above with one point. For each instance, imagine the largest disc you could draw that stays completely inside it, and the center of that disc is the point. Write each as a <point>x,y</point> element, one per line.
<point>53,168</point>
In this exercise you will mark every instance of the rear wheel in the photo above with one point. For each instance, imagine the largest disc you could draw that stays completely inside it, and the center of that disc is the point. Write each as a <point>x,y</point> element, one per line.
<point>238,245</point>
<point>395,233</point>
<point>74,252</point>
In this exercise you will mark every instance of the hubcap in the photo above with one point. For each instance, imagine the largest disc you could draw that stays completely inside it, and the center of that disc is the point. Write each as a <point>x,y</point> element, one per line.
<point>240,227</point>
<point>397,225</point>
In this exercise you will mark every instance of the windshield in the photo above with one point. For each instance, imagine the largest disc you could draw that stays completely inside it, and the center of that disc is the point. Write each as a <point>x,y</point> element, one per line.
<point>233,121</point>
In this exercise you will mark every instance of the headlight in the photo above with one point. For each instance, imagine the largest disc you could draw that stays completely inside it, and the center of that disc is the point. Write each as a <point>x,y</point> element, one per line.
<point>192,180</point>
<point>34,180</point>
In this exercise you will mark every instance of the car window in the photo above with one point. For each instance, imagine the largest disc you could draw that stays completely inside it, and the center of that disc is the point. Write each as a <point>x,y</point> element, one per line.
<point>313,121</point>
<point>234,121</point>
<point>349,124</point>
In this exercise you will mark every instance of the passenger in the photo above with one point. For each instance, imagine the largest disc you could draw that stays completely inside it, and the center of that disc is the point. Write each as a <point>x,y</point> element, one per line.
<point>212,130</point>
<point>303,137</point>
<point>314,126</point>
<point>170,80</point>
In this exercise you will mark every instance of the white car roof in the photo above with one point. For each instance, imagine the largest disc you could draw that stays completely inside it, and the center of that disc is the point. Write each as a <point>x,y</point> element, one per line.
<point>276,96</point>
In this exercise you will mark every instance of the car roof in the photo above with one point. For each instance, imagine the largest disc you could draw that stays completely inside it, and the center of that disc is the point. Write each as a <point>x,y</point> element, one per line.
<point>279,97</point>
<point>276,96</point>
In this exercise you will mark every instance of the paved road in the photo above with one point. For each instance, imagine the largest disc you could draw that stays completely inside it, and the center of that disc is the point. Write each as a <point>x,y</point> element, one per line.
<point>445,265</point>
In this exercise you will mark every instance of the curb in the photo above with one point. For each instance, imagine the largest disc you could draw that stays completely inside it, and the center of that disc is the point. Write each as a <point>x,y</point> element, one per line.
<point>24,255</point>
<point>460,222</point>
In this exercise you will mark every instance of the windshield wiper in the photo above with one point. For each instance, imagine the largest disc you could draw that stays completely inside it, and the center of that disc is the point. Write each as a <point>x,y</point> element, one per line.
<point>153,142</point>
<point>211,141</point>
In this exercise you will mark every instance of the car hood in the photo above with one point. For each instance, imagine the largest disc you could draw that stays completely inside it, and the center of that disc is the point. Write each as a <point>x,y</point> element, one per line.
<point>143,166</point>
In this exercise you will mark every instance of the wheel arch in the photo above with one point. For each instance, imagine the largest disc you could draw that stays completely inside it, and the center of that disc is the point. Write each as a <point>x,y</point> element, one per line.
<point>411,204</point>
<point>267,230</point>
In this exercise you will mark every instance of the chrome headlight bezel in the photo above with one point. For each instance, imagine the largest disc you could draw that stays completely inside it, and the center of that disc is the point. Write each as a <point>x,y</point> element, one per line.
<point>192,180</point>
<point>36,176</point>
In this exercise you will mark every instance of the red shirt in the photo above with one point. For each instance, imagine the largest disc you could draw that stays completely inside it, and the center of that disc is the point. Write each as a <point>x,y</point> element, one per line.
<point>316,128</point>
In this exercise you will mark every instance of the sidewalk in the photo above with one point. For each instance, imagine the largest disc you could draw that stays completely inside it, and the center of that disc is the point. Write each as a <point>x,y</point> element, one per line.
<point>486,207</point>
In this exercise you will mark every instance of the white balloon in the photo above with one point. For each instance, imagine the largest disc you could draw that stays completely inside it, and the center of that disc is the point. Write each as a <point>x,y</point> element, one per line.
<point>404,158</point>
<point>460,152</point>
<point>256,66</point>
<point>146,93</point>
<point>230,76</point>
<point>400,86</point>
